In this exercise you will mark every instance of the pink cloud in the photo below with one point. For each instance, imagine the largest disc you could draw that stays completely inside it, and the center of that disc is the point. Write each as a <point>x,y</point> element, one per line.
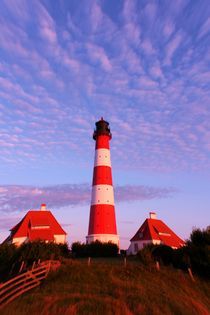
<point>129,10</point>
<point>21,198</point>
<point>96,16</point>
<point>47,25</point>
<point>205,28</point>
<point>97,53</point>
<point>156,71</point>
<point>133,32</point>
<point>147,47</point>
<point>19,9</point>
<point>168,28</point>
<point>70,62</point>
<point>150,11</point>
<point>12,38</point>
<point>172,46</point>
<point>146,82</point>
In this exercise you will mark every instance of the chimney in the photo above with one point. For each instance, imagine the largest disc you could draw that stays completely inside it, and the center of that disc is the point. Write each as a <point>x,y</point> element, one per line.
<point>152,215</point>
<point>43,207</point>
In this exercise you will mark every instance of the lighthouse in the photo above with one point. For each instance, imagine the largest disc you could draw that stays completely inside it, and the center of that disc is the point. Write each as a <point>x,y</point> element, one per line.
<point>102,222</point>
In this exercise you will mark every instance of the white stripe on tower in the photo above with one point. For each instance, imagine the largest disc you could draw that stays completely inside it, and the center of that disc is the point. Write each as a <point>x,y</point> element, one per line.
<point>102,194</point>
<point>102,157</point>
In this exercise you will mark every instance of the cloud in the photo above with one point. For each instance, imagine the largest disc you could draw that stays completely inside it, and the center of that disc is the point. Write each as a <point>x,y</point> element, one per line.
<point>205,28</point>
<point>168,28</point>
<point>129,10</point>
<point>47,25</point>
<point>147,46</point>
<point>18,9</point>
<point>150,11</point>
<point>98,54</point>
<point>8,222</point>
<point>14,198</point>
<point>140,65</point>
<point>131,193</point>
<point>127,222</point>
<point>96,16</point>
<point>172,47</point>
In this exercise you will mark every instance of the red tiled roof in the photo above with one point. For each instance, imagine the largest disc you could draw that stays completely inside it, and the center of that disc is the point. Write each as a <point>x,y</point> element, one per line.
<point>35,221</point>
<point>37,218</point>
<point>153,229</point>
<point>42,234</point>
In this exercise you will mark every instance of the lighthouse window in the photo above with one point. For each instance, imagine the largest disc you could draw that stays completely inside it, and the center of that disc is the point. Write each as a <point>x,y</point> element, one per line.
<point>107,189</point>
<point>107,200</point>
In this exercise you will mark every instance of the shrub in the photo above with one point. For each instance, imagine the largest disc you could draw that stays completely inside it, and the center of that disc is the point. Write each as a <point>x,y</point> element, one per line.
<point>199,251</point>
<point>33,251</point>
<point>181,258</point>
<point>79,249</point>
<point>8,255</point>
<point>200,237</point>
<point>12,256</point>
<point>94,249</point>
<point>163,253</point>
<point>145,255</point>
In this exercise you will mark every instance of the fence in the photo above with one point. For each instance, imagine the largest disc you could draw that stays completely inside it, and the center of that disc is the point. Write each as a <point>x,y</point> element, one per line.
<point>28,280</point>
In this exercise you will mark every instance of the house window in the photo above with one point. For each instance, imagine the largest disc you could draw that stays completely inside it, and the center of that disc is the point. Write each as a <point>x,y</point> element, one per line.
<point>136,247</point>
<point>140,234</point>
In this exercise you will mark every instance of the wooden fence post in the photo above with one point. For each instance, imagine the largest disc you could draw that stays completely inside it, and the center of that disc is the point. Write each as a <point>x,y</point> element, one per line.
<point>21,266</point>
<point>88,261</point>
<point>157,265</point>
<point>11,270</point>
<point>125,262</point>
<point>191,274</point>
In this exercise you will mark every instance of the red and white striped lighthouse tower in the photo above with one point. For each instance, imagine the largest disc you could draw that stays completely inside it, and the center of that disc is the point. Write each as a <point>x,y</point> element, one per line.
<point>102,223</point>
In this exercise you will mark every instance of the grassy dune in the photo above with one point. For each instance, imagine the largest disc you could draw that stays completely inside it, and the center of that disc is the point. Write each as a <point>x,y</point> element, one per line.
<point>107,287</point>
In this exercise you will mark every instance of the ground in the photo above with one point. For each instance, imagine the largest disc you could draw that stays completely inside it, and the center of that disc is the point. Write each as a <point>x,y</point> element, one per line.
<point>108,287</point>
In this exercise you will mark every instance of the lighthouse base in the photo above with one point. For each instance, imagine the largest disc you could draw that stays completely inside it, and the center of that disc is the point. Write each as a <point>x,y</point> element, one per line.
<point>104,238</point>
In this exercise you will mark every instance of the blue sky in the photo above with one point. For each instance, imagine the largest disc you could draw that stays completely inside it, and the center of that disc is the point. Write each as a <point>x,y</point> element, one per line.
<point>144,67</point>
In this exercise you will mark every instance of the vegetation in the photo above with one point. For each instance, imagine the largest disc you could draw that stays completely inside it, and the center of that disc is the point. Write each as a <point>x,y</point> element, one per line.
<point>95,249</point>
<point>108,287</point>
<point>33,251</point>
<point>195,255</point>
<point>11,256</point>
<point>198,250</point>
<point>8,257</point>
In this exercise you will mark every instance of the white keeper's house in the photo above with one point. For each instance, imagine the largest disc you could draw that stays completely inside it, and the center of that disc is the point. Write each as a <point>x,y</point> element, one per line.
<point>154,231</point>
<point>37,225</point>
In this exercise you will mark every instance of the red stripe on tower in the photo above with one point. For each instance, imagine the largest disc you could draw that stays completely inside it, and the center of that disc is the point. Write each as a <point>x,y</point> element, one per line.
<point>102,222</point>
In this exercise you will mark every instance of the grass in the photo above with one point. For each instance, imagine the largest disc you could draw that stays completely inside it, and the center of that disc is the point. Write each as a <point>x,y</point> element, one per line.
<point>107,287</point>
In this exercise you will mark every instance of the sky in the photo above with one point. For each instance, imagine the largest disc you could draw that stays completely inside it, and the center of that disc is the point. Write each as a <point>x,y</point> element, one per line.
<point>143,66</point>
